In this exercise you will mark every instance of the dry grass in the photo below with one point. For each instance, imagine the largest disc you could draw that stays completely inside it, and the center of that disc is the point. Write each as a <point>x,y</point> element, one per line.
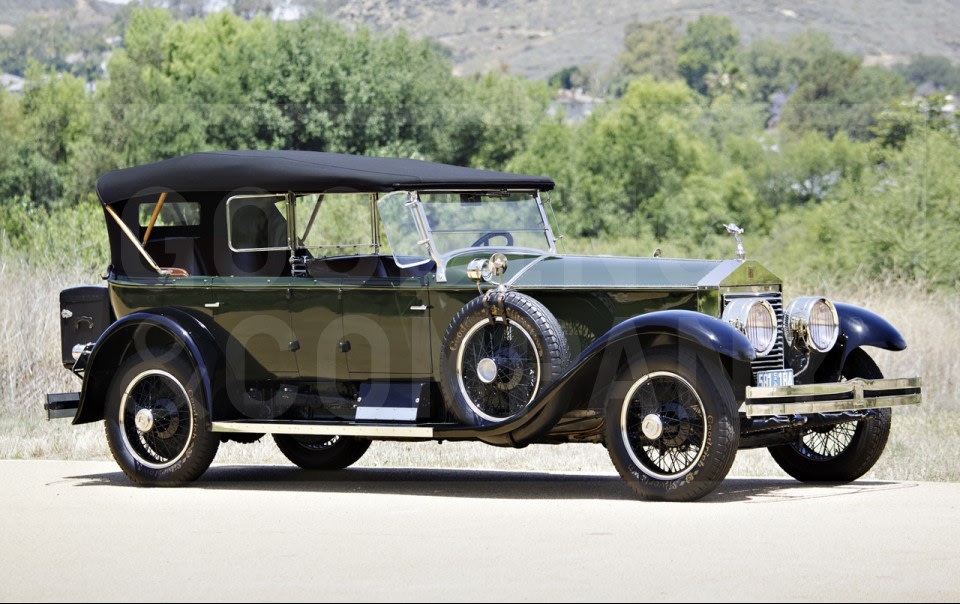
<point>922,446</point>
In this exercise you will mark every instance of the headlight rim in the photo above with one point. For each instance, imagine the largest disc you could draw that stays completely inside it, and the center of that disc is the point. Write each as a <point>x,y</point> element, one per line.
<point>796,323</point>
<point>737,313</point>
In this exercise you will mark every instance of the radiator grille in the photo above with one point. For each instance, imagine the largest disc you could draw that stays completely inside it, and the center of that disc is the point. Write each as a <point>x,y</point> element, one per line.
<point>773,360</point>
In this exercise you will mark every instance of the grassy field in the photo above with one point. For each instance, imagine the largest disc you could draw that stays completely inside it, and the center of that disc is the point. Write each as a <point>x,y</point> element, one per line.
<point>923,444</point>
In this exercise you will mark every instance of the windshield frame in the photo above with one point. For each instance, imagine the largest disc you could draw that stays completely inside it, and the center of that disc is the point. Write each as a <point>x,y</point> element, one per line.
<point>427,239</point>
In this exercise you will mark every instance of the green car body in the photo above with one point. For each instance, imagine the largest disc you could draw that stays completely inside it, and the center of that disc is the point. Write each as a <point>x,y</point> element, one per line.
<point>328,347</point>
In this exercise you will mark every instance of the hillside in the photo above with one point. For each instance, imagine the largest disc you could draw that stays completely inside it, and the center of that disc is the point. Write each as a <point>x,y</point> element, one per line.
<point>538,37</point>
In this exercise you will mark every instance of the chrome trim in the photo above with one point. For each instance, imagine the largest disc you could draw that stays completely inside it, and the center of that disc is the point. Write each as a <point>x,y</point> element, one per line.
<point>212,305</point>
<point>387,414</point>
<point>77,350</point>
<point>274,196</point>
<point>420,218</point>
<point>546,225</point>
<point>527,267</point>
<point>774,359</point>
<point>736,231</point>
<point>796,323</point>
<point>61,413</point>
<point>736,312</point>
<point>321,429</point>
<point>419,307</point>
<point>853,395</point>
<point>423,225</point>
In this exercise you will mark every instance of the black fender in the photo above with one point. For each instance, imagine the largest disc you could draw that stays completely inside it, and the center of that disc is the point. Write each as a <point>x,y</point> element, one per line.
<point>588,378</point>
<point>143,330</point>
<point>858,327</point>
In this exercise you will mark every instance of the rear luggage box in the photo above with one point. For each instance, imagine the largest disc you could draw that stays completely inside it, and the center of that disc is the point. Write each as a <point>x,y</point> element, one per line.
<point>84,316</point>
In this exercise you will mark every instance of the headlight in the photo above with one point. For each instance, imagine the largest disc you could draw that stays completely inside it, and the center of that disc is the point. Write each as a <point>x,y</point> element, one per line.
<point>755,319</point>
<point>811,322</point>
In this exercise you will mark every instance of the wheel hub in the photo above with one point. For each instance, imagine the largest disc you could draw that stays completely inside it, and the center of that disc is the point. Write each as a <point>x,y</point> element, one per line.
<point>487,370</point>
<point>144,420</point>
<point>652,426</point>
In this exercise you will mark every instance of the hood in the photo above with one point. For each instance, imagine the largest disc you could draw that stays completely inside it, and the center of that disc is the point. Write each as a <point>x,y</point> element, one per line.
<point>614,272</point>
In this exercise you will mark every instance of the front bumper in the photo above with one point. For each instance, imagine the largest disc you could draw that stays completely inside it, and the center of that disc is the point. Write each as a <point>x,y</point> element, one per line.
<point>854,395</point>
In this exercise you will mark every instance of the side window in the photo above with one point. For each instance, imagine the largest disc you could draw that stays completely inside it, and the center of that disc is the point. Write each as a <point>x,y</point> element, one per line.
<point>172,213</point>
<point>335,224</point>
<point>257,223</point>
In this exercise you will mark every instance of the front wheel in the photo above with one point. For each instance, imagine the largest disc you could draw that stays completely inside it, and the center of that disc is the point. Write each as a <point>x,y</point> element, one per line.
<point>322,452</point>
<point>156,423</point>
<point>842,452</point>
<point>670,425</point>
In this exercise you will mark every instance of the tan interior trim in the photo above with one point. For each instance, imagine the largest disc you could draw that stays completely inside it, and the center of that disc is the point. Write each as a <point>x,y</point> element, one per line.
<point>136,243</point>
<point>153,219</point>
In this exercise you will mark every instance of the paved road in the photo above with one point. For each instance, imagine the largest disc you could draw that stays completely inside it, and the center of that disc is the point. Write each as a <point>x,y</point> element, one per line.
<point>79,530</point>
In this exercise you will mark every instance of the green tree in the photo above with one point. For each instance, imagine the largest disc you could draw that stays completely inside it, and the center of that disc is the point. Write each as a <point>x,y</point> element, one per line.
<point>711,40</point>
<point>838,94</point>
<point>649,48</point>
<point>771,65</point>
<point>933,69</point>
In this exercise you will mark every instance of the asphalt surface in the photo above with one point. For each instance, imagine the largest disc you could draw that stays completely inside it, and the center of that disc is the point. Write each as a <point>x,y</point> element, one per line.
<point>81,531</point>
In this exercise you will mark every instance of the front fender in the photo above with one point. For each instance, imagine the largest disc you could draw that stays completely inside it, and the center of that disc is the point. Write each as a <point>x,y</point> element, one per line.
<point>858,327</point>
<point>590,375</point>
<point>142,330</point>
<point>588,378</point>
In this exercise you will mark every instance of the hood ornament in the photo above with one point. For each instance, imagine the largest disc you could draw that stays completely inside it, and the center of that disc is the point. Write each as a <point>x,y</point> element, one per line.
<point>736,231</point>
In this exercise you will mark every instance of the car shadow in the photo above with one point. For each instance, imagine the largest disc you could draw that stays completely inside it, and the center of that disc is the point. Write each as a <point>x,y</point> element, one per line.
<point>481,484</point>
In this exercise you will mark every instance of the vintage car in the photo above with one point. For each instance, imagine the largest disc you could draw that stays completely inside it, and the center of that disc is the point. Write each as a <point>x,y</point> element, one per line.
<point>331,300</point>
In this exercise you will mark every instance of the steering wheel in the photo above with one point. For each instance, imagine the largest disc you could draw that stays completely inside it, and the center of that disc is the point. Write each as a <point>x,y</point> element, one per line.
<point>486,237</point>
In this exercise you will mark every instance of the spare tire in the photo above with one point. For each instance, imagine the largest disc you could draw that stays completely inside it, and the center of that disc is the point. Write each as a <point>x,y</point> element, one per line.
<point>499,352</point>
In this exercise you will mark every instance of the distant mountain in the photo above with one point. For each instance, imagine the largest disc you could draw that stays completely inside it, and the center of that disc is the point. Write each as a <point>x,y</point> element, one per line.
<point>539,37</point>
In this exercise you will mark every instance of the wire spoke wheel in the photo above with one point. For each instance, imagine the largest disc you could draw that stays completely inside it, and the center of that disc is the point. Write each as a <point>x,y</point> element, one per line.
<point>839,452</point>
<point>663,425</point>
<point>821,444</point>
<point>156,419</point>
<point>498,368</point>
<point>318,443</point>
<point>321,452</point>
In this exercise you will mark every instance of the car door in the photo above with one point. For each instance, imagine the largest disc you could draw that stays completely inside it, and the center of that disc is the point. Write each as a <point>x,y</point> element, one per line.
<point>386,327</point>
<point>250,297</point>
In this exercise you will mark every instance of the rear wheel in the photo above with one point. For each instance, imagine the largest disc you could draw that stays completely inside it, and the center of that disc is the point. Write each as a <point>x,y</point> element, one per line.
<point>670,425</point>
<point>322,452</point>
<point>155,421</point>
<point>842,452</point>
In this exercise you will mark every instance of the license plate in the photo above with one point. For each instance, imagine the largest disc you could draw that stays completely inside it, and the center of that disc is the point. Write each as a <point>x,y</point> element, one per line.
<point>777,377</point>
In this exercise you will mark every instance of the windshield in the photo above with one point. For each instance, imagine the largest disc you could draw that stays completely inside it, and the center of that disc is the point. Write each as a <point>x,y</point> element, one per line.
<point>456,221</point>
<point>464,220</point>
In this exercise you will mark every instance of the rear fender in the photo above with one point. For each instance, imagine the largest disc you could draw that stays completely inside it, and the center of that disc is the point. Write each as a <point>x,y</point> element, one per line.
<point>145,332</point>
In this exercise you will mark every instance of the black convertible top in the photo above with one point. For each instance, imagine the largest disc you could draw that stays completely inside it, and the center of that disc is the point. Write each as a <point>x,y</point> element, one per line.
<point>301,171</point>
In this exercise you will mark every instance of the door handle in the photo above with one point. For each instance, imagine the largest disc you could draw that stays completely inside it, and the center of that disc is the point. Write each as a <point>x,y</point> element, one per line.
<point>212,305</point>
<point>419,307</point>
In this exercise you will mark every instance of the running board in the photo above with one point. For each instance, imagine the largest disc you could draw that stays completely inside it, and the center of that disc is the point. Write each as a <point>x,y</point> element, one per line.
<point>323,429</point>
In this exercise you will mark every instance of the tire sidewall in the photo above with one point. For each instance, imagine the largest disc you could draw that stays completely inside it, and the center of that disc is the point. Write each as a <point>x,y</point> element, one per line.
<point>473,313</point>
<point>864,449</point>
<point>198,444</point>
<point>722,435</point>
<point>345,452</point>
